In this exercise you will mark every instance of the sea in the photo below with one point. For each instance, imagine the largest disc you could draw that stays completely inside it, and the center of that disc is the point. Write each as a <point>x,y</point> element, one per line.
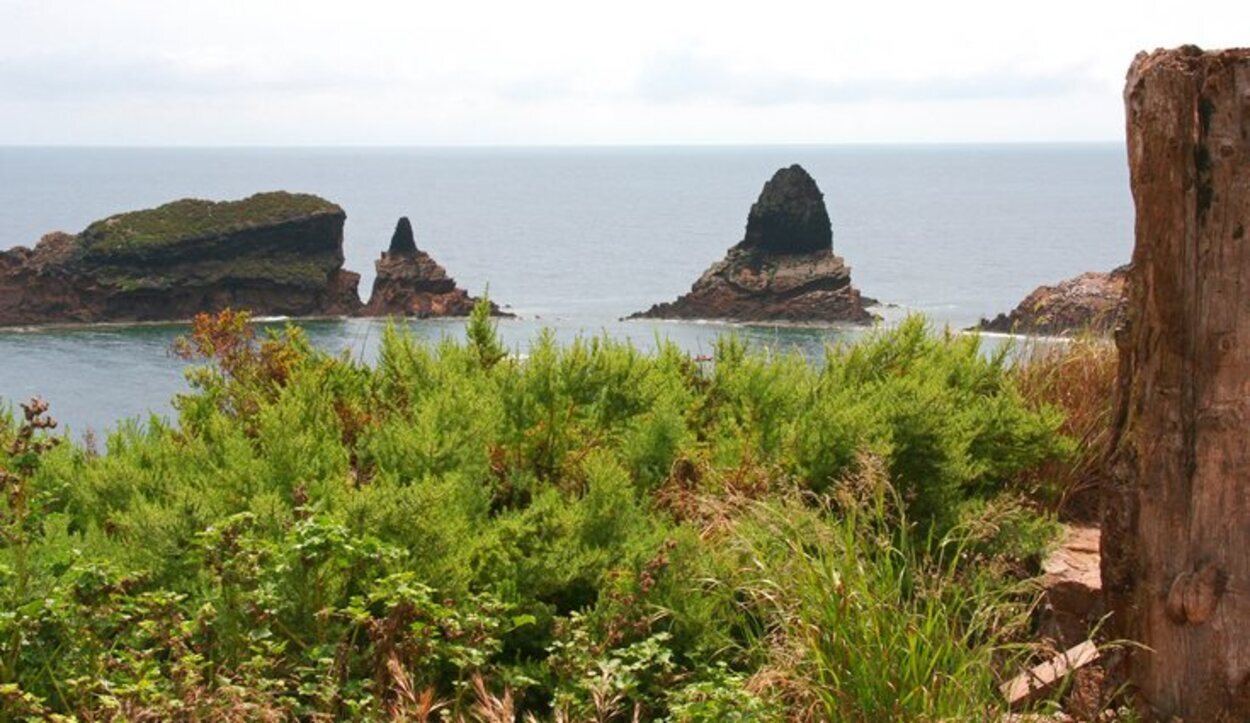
<point>574,239</point>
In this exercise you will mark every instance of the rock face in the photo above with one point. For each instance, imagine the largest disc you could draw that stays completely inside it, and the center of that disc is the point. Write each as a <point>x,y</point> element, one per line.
<point>1089,302</point>
<point>273,253</point>
<point>790,216</point>
<point>403,242</point>
<point>1072,588</point>
<point>783,269</point>
<point>411,283</point>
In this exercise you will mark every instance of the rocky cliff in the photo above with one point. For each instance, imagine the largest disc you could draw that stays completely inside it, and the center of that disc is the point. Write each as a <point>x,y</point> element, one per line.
<point>411,283</point>
<point>784,269</point>
<point>1089,302</point>
<point>273,253</point>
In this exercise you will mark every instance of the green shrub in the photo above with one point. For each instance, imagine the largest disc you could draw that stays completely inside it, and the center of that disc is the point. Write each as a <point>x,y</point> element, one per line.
<point>868,622</point>
<point>589,531</point>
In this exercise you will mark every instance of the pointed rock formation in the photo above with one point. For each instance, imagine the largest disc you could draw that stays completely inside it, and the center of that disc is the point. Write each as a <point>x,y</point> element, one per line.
<point>784,269</point>
<point>411,283</point>
<point>790,216</point>
<point>403,243</point>
<point>1089,302</point>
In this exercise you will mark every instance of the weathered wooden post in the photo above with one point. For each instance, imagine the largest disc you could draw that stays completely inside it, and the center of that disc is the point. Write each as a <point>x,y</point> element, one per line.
<point>1176,536</point>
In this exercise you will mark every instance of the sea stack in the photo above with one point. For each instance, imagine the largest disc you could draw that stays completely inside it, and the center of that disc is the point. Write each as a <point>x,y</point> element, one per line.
<point>273,253</point>
<point>411,283</point>
<point>784,268</point>
<point>1091,302</point>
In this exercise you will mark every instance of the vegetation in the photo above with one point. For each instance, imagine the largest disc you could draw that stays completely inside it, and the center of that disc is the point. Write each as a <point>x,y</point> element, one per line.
<point>1078,377</point>
<point>193,218</point>
<point>587,533</point>
<point>292,270</point>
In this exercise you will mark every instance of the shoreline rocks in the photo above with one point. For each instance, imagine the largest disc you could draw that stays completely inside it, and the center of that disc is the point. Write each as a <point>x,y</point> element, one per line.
<point>783,270</point>
<point>410,282</point>
<point>1088,302</point>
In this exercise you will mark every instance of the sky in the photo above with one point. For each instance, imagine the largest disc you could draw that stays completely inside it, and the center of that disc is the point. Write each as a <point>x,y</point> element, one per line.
<point>550,72</point>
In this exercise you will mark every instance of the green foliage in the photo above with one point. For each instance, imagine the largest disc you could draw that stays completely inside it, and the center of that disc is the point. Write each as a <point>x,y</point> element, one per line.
<point>941,412</point>
<point>190,218</point>
<point>890,629</point>
<point>483,336</point>
<point>589,533</point>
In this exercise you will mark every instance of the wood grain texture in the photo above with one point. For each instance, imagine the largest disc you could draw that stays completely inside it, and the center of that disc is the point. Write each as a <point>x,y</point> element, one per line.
<point>1176,534</point>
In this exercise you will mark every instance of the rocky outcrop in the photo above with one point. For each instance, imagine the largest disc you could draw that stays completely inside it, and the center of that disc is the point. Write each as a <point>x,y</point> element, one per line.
<point>411,283</point>
<point>272,253</point>
<point>1071,605</point>
<point>1089,302</point>
<point>784,269</point>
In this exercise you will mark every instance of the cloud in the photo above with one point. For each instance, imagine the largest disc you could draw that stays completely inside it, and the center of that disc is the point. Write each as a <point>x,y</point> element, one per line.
<point>63,77</point>
<point>562,71</point>
<point>678,77</point>
<point>543,89</point>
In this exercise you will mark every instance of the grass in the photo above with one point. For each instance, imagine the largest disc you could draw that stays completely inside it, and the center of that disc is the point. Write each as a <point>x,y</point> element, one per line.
<point>866,621</point>
<point>592,533</point>
<point>189,218</point>
<point>1077,377</point>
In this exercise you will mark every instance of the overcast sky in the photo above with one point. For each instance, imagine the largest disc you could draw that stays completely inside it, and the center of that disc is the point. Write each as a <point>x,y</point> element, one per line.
<point>368,72</point>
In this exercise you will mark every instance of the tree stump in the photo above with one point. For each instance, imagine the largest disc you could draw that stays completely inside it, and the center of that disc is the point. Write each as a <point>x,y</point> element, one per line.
<point>1176,527</point>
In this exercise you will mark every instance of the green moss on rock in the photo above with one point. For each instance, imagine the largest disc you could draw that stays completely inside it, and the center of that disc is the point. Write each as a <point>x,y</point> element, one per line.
<point>279,272</point>
<point>196,218</point>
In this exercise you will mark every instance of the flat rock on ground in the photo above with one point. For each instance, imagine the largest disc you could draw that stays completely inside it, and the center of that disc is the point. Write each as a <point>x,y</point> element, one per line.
<point>1072,581</point>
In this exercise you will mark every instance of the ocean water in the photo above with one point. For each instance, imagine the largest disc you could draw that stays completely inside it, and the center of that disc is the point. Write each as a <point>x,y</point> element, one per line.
<point>575,239</point>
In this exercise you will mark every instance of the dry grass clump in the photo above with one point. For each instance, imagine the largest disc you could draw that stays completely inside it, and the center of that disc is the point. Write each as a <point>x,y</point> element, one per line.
<point>1077,377</point>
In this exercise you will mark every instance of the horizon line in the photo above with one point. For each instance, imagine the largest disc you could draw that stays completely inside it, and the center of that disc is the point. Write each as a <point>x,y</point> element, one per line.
<point>550,146</point>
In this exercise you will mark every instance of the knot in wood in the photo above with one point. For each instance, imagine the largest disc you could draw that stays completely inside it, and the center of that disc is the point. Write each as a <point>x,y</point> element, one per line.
<point>1194,594</point>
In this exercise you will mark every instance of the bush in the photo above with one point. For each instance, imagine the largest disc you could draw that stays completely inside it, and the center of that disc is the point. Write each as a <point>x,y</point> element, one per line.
<point>590,532</point>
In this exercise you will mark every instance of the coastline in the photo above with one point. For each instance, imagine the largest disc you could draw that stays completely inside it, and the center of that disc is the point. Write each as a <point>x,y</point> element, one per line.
<point>556,321</point>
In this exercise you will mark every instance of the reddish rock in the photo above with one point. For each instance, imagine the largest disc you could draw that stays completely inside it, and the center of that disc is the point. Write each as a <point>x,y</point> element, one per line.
<point>411,283</point>
<point>1070,612</point>
<point>272,253</point>
<point>783,270</point>
<point>1089,302</point>
<point>1072,603</point>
